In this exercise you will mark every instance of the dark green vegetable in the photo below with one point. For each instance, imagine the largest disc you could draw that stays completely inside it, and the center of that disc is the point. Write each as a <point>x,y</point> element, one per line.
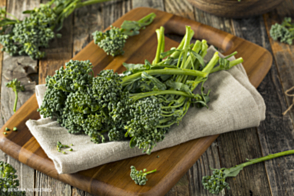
<point>14,128</point>
<point>26,37</point>
<point>113,40</point>
<point>16,87</point>
<point>139,177</point>
<point>60,146</point>
<point>140,105</point>
<point>283,32</point>
<point>7,129</point>
<point>8,181</point>
<point>216,182</point>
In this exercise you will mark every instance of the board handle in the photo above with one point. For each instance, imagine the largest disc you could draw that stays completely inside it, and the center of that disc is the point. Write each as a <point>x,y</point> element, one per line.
<point>218,38</point>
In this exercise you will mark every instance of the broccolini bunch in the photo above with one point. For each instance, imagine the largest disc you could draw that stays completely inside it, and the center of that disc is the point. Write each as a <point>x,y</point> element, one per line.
<point>140,105</point>
<point>113,40</point>
<point>26,37</point>
<point>8,181</point>
<point>283,32</point>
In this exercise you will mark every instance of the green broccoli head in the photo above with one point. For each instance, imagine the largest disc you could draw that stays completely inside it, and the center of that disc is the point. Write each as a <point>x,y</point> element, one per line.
<point>284,31</point>
<point>8,181</point>
<point>75,76</point>
<point>143,125</point>
<point>53,103</point>
<point>111,41</point>
<point>27,36</point>
<point>216,182</point>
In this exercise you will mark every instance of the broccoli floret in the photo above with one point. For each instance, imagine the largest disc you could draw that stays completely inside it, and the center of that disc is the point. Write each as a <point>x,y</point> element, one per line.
<point>8,181</point>
<point>143,124</point>
<point>216,182</point>
<point>113,40</point>
<point>139,177</point>
<point>75,76</point>
<point>16,87</point>
<point>284,31</point>
<point>53,103</point>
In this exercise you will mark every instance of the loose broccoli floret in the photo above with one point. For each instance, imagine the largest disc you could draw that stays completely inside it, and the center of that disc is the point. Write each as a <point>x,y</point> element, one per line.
<point>113,40</point>
<point>216,182</point>
<point>8,181</point>
<point>139,177</point>
<point>284,31</point>
<point>60,146</point>
<point>37,30</point>
<point>16,87</point>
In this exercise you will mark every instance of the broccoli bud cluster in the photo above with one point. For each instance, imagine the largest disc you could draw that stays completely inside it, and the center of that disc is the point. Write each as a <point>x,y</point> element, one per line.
<point>283,32</point>
<point>8,181</point>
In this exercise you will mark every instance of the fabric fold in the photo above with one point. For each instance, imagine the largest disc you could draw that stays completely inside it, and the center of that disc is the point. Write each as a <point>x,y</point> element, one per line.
<point>235,104</point>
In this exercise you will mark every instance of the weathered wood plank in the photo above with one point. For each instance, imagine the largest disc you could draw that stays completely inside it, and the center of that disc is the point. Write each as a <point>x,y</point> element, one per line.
<point>276,133</point>
<point>235,147</point>
<point>2,155</point>
<point>157,4</point>
<point>89,19</point>
<point>59,52</point>
<point>181,8</point>
<point>211,157</point>
<point>18,67</point>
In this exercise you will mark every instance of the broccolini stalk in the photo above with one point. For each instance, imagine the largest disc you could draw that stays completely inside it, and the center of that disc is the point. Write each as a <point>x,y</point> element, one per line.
<point>26,37</point>
<point>16,87</point>
<point>216,182</point>
<point>113,40</point>
<point>139,177</point>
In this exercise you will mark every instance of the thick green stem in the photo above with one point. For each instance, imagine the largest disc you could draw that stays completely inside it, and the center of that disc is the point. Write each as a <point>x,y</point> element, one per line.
<point>166,71</point>
<point>155,93</point>
<point>265,158</point>
<point>15,101</point>
<point>90,2</point>
<point>232,64</point>
<point>150,172</point>
<point>160,45</point>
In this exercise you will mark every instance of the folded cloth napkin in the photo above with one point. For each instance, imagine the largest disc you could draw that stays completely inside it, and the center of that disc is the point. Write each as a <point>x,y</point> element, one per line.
<point>235,104</point>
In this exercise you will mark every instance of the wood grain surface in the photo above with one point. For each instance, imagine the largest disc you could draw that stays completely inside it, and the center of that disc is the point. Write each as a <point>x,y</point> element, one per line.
<point>173,162</point>
<point>234,8</point>
<point>270,178</point>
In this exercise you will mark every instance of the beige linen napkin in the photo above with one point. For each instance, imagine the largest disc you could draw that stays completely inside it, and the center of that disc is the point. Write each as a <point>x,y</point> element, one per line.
<point>235,104</point>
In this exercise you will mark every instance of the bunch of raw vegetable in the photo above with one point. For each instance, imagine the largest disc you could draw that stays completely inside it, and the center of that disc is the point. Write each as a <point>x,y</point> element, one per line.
<point>26,37</point>
<point>140,105</point>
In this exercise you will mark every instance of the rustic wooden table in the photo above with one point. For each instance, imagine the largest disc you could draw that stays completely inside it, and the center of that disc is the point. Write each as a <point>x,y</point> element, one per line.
<point>275,134</point>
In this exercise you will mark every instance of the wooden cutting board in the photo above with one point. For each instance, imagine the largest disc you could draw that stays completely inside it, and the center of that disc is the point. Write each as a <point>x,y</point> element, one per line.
<point>173,163</point>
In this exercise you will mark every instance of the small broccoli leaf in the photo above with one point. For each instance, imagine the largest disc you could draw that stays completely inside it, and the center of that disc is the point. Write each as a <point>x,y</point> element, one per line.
<point>157,84</point>
<point>179,86</point>
<point>28,11</point>
<point>224,64</point>
<point>233,171</point>
<point>133,68</point>
<point>198,57</point>
<point>132,27</point>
